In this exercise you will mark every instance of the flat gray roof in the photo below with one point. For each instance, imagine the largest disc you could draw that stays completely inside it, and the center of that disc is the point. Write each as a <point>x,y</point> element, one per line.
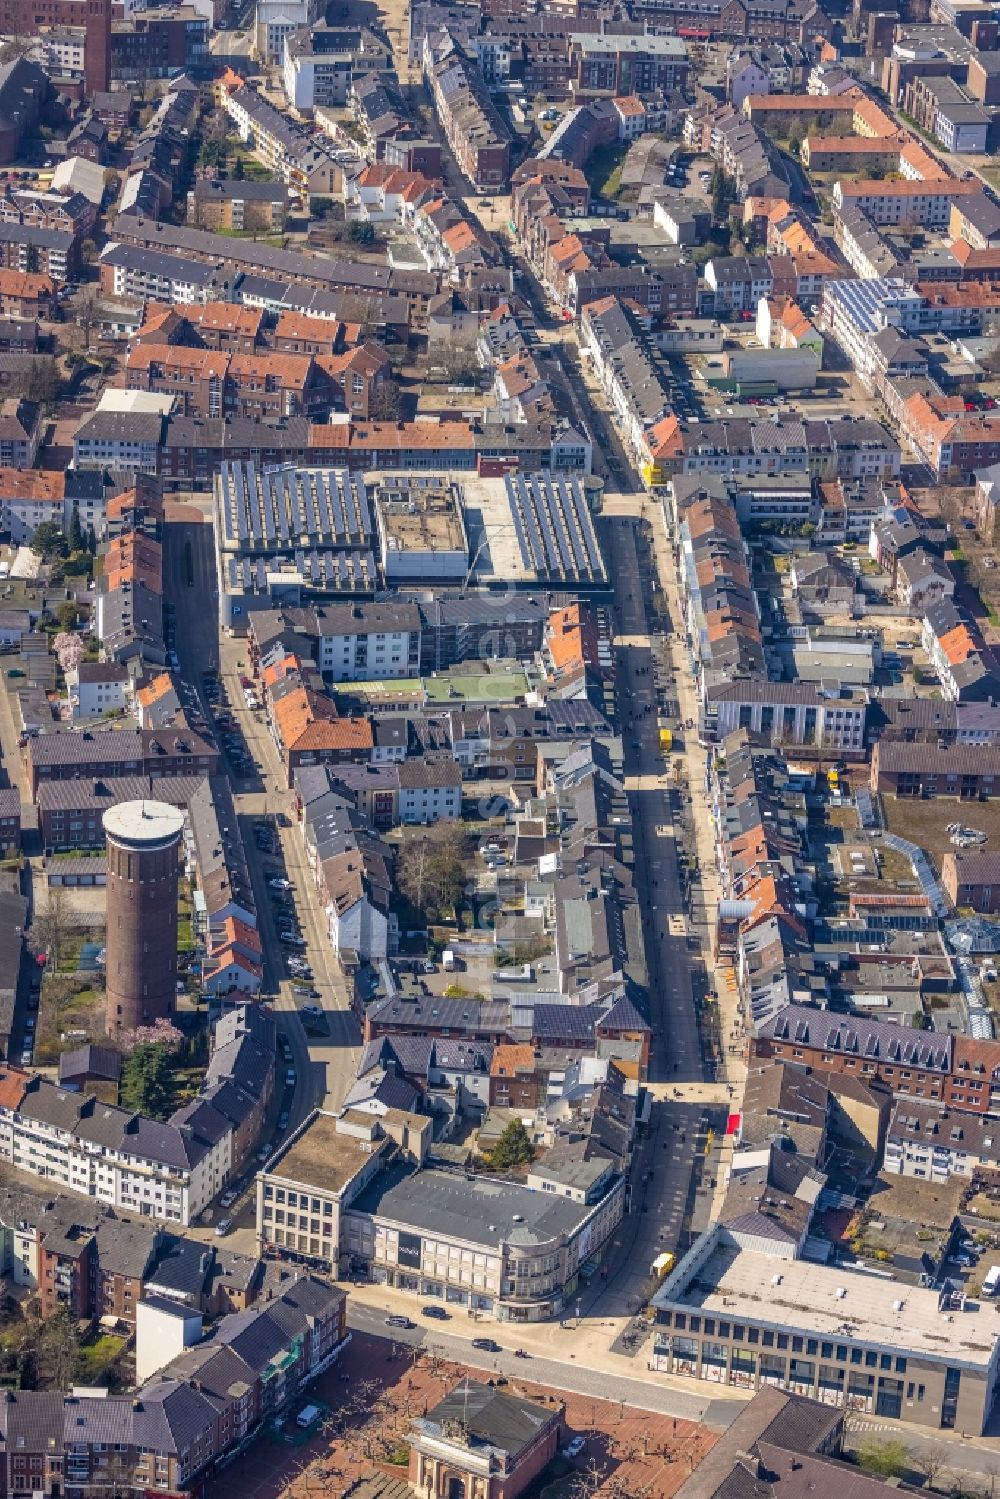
<point>481,1210</point>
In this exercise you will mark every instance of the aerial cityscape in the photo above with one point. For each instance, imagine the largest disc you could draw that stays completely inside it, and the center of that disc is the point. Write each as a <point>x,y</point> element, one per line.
<point>499,749</point>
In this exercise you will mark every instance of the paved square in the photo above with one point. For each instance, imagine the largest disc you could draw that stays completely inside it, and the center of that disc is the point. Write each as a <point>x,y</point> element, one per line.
<point>378,1387</point>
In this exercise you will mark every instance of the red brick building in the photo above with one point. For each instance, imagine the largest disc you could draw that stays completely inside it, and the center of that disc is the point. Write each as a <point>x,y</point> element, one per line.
<point>972,879</point>
<point>212,382</point>
<point>446,1450</point>
<point>907,1061</point>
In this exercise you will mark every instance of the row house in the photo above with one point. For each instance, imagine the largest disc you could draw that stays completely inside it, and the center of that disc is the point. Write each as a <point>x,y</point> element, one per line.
<point>48,252</point>
<point>947,1072</point>
<point>162,1170</point>
<point>902,201</point>
<point>632,376</point>
<point>958,653</point>
<point>118,752</point>
<point>257,274</point>
<point>303,160</point>
<point>955,443</point>
<point>968,773</point>
<point>171,1433</point>
<point>307,730</point>
<point>932,1144</point>
<point>214,383</point>
<point>220,326</point>
<point>70,213</point>
<point>478,136</point>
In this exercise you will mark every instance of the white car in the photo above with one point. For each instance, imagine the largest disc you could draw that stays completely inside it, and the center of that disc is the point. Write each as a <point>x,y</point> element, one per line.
<point>278,882</point>
<point>575,1447</point>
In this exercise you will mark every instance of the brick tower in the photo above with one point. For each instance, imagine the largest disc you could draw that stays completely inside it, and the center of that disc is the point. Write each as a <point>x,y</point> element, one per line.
<point>97,46</point>
<point>143,843</point>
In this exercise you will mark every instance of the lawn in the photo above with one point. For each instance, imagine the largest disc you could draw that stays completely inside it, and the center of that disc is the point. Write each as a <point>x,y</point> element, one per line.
<point>275,241</point>
<point>924,822</point>
<point>604,169</point>
<point>68,1002</point>
<point>99,1352</point>
<point>185,929</point>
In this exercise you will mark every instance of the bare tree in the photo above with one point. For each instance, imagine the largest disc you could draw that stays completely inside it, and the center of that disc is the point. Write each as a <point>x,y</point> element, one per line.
<point>49,927</point>
<point>930,1464</point>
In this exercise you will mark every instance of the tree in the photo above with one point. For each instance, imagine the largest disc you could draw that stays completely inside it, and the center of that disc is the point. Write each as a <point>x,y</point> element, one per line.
<point>68,614</point>
<point>431,871</point>
<point>161,1033</point>
<point>359,233</point>
<point>214,149</point>
<point>75,533</point>
<point>48,541</point>
<point>723,195</point>
<point>238,169</point>
<point>15,48</point>
<point>385,404</point>
<point>88,251</point>
<point>459,362</point>
<point>58,1349</point>
<point>148,1081</point>
<point>48,930</point>
<point>513,1148</point>
<point>68,651</point>
<point>884,1459</point>
<point>92,540</point>
<point>320,207</point>
<point>85,306</point>
<point>40,381</point>
<point>930,1464</point>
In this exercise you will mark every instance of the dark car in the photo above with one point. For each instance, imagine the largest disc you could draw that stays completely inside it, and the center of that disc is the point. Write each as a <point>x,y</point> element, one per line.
<point>437,1312</point>
<point>488,1345</point>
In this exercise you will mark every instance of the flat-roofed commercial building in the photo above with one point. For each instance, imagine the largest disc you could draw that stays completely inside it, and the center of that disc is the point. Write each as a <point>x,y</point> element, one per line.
<point>734,1316</point>
<point>302,1187</point>
<point>491,1246</point>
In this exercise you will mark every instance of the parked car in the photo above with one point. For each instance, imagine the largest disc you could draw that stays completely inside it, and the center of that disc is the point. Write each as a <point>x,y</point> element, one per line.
<point>437,1312</point>
<point>283,1119</point>
<point>227,1199</point>
<point>487,1345</point>
<point>222,1227</point>
<point>574,1448</point>
<point>395,1320</point>
<point>278,882</point>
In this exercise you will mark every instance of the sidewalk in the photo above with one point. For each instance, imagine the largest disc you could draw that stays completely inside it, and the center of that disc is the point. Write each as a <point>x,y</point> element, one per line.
<point>581,1346</point>
<point>730,1021</point>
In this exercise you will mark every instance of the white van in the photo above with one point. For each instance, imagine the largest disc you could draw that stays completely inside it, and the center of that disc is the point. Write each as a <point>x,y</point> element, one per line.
<point>307,1416</point>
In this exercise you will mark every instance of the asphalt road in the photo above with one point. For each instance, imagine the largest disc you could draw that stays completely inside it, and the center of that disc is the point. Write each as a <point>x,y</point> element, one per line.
<point>669,1159</point>
<point>325,1061</point>
<point>434,1337</point>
